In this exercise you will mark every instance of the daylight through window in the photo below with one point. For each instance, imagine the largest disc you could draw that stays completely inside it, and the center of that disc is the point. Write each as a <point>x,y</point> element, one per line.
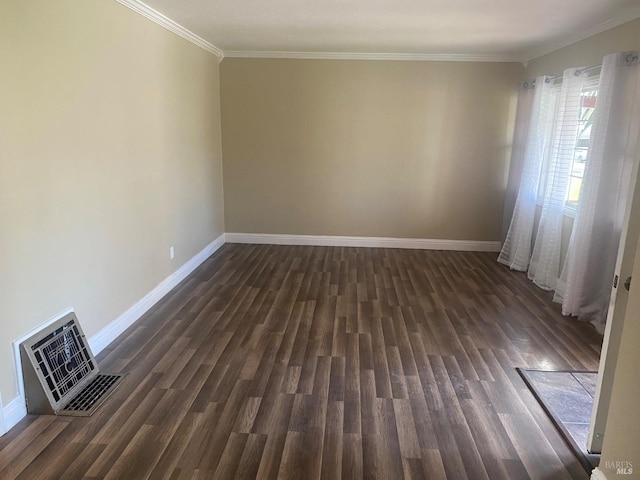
<point>581,152</point>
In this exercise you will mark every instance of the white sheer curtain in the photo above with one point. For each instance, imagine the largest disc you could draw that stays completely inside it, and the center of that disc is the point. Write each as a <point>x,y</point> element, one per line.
<point>526,95</point>
<point>544,268</point>
<point>532,125</point>
<point>585,284</point>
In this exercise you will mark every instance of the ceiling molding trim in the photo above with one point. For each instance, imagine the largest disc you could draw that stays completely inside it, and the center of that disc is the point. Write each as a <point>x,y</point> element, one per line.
<point>426,57</point>
<point>628,16</point>
<point>163,21</point>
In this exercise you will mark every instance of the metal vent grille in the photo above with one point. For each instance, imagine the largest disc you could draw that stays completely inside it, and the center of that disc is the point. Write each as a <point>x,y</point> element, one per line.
<point>61,375</point>
<point>63,359</point>
<point>93,395</point>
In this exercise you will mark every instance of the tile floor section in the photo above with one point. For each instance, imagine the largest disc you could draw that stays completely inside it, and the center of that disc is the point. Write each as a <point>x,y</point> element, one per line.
<point>568,398</point>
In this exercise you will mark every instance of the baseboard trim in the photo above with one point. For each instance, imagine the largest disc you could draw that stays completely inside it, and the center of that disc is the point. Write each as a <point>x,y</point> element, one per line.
<point>109,333</point>
<point>597,474</point>
<point>375,242</point>
<point>16,409</point>
<point>3,430</point>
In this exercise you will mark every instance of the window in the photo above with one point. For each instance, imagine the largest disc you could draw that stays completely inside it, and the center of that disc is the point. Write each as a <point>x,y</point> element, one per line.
<point>588,99</point>
<point>581,151</point>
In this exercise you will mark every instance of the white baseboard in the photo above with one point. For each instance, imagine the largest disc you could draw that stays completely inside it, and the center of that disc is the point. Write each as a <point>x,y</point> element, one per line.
<point>2,429</point>
<point>109,333</point>
<point>16,409</point>
<point>597,474</point>
<point>376,242</point>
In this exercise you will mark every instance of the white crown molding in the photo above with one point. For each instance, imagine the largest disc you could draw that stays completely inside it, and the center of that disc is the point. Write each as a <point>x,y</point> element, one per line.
<point>597,474</point>
<point>424,57</point>
<point>375,242</point>
<point>627,16</point>
<point>523,57</point>
<point>16,409</point>
<point>157,17</point>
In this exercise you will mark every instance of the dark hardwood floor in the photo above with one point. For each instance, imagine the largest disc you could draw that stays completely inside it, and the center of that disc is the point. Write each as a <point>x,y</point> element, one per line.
<point>325,363</point>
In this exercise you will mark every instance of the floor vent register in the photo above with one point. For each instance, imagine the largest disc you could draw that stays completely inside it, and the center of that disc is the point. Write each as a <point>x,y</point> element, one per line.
<point>61,376</point>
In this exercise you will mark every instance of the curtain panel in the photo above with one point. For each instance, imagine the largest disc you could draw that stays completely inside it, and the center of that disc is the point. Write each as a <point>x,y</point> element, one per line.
<point>585,284</point>
<point>526,96</point>
<point>516,249</point>
<point>544,268</point>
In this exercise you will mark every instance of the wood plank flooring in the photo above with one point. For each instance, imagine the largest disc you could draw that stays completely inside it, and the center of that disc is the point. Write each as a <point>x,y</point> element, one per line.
<point>279,362</point>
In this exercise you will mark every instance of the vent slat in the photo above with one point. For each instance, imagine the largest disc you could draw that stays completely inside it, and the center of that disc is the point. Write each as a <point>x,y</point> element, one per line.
<point>93,395</point>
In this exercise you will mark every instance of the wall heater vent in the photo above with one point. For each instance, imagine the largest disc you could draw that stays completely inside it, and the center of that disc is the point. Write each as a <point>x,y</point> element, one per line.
<point>61,375</point>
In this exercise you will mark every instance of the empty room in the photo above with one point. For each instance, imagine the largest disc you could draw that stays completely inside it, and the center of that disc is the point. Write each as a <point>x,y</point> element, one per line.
<point>319,240</point>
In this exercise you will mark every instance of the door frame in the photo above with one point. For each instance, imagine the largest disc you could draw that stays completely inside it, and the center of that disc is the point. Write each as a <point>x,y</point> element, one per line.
<point>617,309</point>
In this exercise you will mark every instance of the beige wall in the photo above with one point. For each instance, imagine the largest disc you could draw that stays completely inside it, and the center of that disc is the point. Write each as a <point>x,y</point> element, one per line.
<point>109,154</point>
<point>366,148</point>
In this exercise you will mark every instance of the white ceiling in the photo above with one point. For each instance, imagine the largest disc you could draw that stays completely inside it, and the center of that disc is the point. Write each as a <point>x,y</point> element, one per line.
<point>498,29</point>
